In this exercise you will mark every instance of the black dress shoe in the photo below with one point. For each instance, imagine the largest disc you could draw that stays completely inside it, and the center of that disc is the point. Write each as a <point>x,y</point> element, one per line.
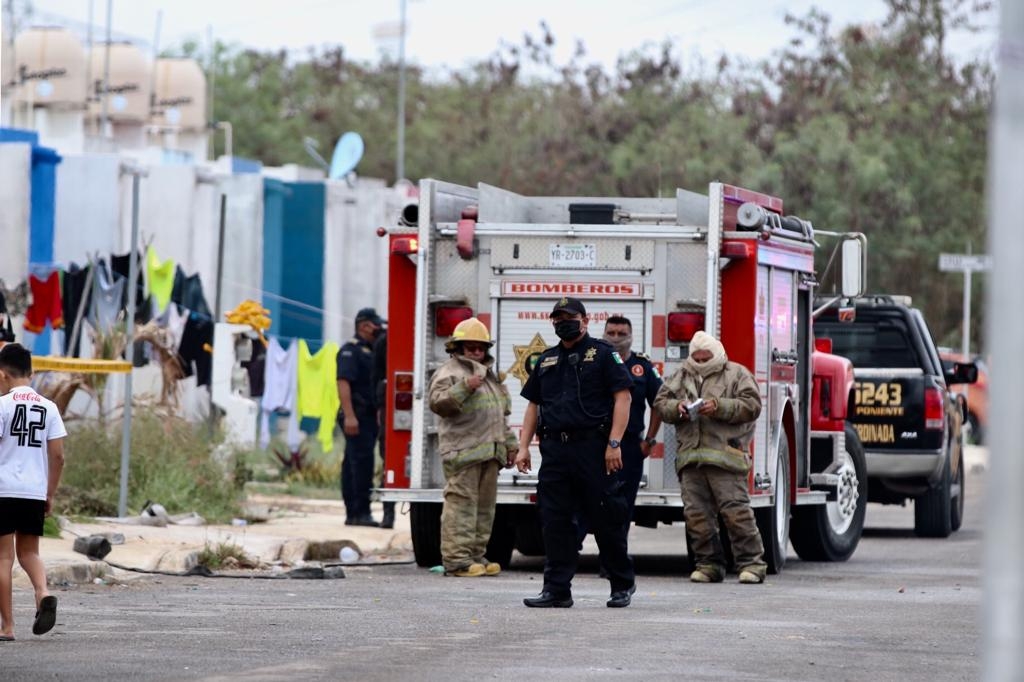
<point>365,521</point>
<point>388,520</point>
<point>621,599</point>
<point>546,600</point>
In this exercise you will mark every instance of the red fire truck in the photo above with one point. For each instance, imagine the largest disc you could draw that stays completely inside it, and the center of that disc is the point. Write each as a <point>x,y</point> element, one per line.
<point>730,262</point>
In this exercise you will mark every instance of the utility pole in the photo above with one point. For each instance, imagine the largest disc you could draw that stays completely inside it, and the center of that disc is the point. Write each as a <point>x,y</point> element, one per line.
<point>1003,605</point>
<point>400,151</point>
<point>106,73</point>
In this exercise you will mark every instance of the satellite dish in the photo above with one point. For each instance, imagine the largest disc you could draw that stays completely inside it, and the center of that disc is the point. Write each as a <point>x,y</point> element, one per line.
<point>347,154</point>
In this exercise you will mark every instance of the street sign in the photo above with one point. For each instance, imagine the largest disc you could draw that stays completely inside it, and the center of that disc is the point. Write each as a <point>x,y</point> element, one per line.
<point>964,262</point>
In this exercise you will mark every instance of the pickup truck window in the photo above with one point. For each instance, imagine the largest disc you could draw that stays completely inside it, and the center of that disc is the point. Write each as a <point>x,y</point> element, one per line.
<point>884,344</point>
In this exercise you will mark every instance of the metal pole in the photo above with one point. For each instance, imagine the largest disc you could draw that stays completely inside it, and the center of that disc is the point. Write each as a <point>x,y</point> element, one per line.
<point>965,341</point>
<point>106,72</point>
<point>217,300</point>
<point>1003,606</point>
<point>89,85</point>
<point>400,152</point>
<point>129,351</point>
<point>220,257</point>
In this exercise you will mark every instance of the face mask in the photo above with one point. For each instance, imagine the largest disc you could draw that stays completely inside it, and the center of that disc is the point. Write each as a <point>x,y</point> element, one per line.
<point>621,344</point>
<point>568,330</point>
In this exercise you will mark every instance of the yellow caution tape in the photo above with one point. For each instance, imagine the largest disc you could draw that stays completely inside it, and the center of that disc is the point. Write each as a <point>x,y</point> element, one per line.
<point>51,363</point>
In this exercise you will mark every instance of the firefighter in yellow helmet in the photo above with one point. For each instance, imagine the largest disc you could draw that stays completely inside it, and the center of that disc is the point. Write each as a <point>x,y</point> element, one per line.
<point>475,441</point>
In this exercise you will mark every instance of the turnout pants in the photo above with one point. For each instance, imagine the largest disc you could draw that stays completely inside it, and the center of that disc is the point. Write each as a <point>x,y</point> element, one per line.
<point>357,467</point>
<point>572,482</point>
<point>470,496</point>
<point>707,492</point>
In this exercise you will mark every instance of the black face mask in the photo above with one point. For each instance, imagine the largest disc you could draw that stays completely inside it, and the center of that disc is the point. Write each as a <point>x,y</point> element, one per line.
<point>568,330</point>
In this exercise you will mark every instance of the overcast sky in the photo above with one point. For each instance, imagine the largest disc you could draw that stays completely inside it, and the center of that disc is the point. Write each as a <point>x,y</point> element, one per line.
<point>451,33</point>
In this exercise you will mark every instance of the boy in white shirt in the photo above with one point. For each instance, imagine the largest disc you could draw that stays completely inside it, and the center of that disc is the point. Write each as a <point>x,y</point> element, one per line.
<point>31,461</point>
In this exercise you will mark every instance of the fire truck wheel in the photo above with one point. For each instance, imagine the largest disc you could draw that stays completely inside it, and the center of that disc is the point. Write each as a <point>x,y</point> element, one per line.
<point>503,536</point>
<point>957,506</point>
<point>933,515</point>
<point>425,527</point>
<point>529,534</point>
<point>831,531</point>
<point>773,522</point>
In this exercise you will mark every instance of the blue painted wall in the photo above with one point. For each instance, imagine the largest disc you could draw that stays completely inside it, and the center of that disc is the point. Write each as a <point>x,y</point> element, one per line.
<point>293,258</point>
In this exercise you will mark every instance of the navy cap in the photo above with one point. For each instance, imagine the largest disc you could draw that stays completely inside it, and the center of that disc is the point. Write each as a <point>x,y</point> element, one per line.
<point>569,305</point>
<point>369,315</point>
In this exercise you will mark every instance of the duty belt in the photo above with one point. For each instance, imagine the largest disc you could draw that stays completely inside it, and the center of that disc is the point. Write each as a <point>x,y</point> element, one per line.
<point>575,435</point>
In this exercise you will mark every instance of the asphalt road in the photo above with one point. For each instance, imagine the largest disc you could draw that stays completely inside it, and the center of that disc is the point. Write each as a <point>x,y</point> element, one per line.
<point>902,608</point>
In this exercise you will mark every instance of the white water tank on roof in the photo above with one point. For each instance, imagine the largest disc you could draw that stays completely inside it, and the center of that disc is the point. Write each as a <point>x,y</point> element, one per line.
<point>180,95</point>
<point>49,68</point>
<point>130,83</point>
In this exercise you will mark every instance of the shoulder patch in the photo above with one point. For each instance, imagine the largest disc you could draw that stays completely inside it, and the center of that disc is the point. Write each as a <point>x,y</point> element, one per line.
<point>638,370</point>
<point>654,371</point>
<point>616,357</point>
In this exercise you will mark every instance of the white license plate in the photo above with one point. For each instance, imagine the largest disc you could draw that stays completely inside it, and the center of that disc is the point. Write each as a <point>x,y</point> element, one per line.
<point>573,255</point>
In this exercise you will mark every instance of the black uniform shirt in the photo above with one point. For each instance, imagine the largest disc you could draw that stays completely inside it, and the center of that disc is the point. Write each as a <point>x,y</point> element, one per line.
<point>355,365</point>
<point>646,382</point>
<point>574,386</point>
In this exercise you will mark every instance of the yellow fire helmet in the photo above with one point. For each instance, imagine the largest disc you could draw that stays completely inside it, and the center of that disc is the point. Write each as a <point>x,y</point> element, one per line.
<point>468,330</point>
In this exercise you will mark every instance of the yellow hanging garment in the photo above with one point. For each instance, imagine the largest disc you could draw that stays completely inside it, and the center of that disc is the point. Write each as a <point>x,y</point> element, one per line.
<point>318,389</point>
<point>161,279</point>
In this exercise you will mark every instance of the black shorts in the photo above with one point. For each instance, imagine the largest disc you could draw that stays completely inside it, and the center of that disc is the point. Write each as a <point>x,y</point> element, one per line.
<point>18,515</point>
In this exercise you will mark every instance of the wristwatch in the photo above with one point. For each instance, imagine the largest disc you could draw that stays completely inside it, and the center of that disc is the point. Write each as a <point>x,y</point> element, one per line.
<point>651,441</point>
<point>613,444</point>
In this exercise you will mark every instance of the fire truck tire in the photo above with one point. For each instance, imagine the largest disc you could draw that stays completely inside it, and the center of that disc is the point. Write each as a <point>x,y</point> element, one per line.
<point>959,495</point>
<point>503,536</point>
<point>425,528</point>
<point>529,534</point>
<point>773,521</point>
<point>831,531</point>
<point>933,514</point>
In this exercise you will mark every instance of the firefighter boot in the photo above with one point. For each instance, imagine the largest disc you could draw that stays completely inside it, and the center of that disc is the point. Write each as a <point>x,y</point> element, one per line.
<point>706,573</point>
<point>471,571</point>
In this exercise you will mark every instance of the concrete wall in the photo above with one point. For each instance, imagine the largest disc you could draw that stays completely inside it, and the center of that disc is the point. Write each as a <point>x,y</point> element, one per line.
<point>88,211</point>
<point>15,198</point>
<point>355,258</point>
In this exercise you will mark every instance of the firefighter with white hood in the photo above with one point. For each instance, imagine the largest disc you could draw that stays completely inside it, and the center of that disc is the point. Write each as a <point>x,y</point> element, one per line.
<point>714,405</point>
<point>475,441</point>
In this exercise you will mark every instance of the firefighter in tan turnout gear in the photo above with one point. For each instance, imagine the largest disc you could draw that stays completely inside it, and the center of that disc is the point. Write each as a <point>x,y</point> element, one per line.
<point>475,441</point>
<point>712,438</point>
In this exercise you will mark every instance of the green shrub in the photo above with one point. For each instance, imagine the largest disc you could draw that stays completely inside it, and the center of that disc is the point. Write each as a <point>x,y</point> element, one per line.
<point>171,463</point>
<point>225,555</point>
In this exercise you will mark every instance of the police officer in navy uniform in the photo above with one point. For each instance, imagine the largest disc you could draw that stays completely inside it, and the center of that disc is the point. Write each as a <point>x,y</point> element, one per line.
<point>358,417</point>
<point>579,393</point>
<point>638,442</point>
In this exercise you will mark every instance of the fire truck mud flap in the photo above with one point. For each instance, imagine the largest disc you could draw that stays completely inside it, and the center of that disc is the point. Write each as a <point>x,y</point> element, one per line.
<point>831,532</point>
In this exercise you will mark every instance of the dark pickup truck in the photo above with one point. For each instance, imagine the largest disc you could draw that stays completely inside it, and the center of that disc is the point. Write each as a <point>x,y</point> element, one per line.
<point>909,421</point>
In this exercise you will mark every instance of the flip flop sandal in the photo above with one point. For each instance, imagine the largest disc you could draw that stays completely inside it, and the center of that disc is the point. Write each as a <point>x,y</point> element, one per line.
<point>6,638</point>
<point>46,616</point>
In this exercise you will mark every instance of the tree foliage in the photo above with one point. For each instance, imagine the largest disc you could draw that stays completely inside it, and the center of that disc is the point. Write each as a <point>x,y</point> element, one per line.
<point>868,128</point>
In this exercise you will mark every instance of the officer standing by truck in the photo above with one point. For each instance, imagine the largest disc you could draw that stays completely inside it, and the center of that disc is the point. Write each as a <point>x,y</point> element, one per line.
<point>579,397</point>
<point>358,417</point>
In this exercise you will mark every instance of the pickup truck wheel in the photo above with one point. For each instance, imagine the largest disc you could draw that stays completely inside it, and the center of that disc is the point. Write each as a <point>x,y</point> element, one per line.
<point>933,515</point>
<point>425,528</point>
<point>773,522</point>
<point>959,493</point>
<point>831,532</point>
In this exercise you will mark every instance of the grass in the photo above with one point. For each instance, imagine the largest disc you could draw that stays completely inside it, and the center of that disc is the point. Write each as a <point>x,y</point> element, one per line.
<point>179,465</point>
<point>225,555</point>
<point>171,463</point>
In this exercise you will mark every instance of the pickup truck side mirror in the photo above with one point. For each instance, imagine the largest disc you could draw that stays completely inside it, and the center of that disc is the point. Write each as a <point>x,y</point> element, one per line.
<point>961,373</point>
